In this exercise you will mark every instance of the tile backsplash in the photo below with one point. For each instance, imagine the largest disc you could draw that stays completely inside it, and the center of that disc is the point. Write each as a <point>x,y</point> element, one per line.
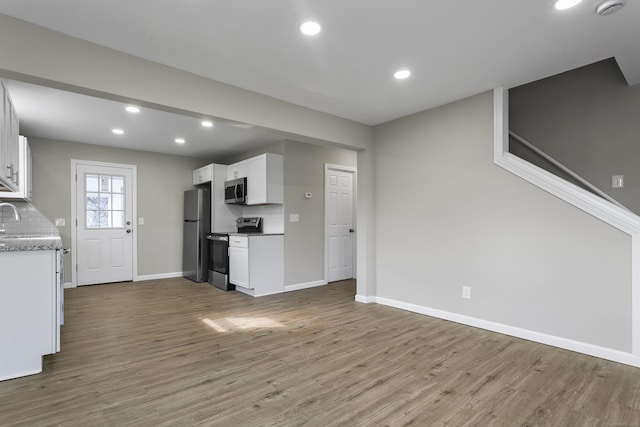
<point>32,222</point>
<point>272,216</point>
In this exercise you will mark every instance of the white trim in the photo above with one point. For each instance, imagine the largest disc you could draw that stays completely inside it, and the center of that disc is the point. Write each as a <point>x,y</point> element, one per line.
<point>565,343</point>
<point>69,285</point>
<point>307,285</point>
<point>134,213</point>
<point>354,171</point>
<point>159,276</point>
<point>365,299</point>
<point>592,188</point>
<point>611,214</point>
<point>252,292</point>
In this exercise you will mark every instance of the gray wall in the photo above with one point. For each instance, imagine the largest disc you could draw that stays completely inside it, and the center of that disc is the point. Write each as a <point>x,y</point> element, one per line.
<point>588,119</point>
<point>304,240</point>
<point>532,261</point>
<point>162,180</point>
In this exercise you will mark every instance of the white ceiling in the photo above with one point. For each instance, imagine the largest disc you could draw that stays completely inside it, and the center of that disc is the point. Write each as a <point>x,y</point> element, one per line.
<point>453,48</point>
<point>66,116</point>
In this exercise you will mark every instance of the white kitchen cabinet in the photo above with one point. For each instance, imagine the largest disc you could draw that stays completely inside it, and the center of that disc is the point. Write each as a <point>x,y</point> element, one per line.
<point>239,261</point>
<point>9,131</point>
<point>256,264</point>
<point>223,216</point>
<point>203,175</point>
<point>24,181</point>
<point>237,170</point>
<point>265,179</point>
<point>30,311</point>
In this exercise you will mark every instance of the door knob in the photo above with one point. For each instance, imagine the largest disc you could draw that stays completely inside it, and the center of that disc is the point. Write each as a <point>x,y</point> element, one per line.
<point>128,222</point>
<point>351,230</point>
<point>128,230</point>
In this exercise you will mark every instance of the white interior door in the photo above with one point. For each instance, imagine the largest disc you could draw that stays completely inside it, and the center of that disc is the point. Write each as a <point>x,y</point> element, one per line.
<point>104,231</point>
<point>339,200</point>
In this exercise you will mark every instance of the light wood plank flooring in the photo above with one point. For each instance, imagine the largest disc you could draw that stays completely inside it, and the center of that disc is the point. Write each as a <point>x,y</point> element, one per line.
<point>176,353</point>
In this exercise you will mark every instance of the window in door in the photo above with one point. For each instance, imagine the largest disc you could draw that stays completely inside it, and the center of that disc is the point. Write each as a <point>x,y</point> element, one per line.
<point>104,201</point>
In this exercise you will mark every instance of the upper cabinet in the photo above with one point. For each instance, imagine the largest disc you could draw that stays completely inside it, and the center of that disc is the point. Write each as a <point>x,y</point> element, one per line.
<point>24,181</point>
<point>265,179</point>
<point>203,175</point>
<point>9,152</point>
<point>237,170</point>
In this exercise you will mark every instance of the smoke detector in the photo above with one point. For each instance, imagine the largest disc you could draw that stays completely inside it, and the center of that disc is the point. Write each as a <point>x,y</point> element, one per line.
<point>609,6</point>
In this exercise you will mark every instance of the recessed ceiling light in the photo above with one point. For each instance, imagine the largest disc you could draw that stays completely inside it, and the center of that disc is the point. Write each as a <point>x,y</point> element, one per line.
<point>566,4</point>
<point>180,140</point>
<point>242,125</point>
<point>117,131</point>
<point>132,109</point>
<point>207,123</point>
<point>609,6</point>
<point>402,74</point>
<point>310,28</point>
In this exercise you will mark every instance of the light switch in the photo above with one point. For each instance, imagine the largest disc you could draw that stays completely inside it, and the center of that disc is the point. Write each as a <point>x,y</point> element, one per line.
<point>617,181</point>
<point>140,221</point>
<point>60,222</point>
<point>294,217</point>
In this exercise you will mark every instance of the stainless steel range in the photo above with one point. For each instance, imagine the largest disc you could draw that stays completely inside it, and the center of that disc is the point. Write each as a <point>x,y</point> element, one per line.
<point>249,225</point>
<point>219,261</point>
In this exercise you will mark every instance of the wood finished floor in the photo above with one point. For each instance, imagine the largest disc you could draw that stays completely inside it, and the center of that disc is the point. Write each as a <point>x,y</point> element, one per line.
<point>176,353</point>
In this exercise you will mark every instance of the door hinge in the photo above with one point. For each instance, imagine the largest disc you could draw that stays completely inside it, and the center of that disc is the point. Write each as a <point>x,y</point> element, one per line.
<point>76,177</point>
<point>76,268</point>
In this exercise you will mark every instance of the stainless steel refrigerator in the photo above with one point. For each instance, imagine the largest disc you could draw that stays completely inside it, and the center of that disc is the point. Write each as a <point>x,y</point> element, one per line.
<point>197,225</point>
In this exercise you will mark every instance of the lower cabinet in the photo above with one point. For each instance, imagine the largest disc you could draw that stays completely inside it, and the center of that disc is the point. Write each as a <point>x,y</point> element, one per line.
<point>239,265</point>
<point>256,264</point>
<point>30,303</point>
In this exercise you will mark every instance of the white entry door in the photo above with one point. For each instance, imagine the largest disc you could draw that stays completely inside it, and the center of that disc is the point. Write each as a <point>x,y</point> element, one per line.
<point>339,219</point>
<point>104,231</point>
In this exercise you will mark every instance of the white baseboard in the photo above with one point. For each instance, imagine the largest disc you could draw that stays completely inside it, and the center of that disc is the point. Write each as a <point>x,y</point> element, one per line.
<point>365,299</point>
<point>68,285</point>
<point>306,285</point>
<point>564,343</point>
<point>158,276</point>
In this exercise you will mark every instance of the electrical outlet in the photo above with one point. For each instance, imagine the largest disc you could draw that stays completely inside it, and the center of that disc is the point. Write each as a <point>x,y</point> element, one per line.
<point>140,221</point>
<point>466,292</point>
<point>294,217</point>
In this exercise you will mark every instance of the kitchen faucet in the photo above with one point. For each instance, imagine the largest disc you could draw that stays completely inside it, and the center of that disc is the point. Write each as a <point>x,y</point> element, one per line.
<point>12,206</point>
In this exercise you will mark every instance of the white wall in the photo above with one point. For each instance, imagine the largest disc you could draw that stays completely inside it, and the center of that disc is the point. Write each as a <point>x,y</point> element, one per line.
<point>531,260</point>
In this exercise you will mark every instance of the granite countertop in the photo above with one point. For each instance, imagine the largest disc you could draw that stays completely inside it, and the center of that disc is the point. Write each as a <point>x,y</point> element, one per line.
<point>13,243</point>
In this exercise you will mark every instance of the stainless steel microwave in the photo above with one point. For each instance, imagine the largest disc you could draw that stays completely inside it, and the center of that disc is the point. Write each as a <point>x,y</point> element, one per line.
<point>235,191</point>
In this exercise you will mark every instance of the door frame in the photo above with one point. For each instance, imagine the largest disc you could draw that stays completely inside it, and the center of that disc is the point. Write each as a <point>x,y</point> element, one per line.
<point>74,215</point>
<point>354,247</point>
